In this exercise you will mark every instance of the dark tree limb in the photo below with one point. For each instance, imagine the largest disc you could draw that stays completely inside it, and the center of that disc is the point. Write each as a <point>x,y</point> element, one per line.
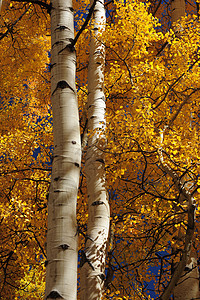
<point>74,41</point>
<point>10,27</point>
<point>85,23</point>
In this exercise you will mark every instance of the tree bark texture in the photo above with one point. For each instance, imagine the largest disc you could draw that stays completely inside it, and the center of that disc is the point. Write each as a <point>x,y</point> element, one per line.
<point>188,285</point>
<point>61,277</point>
<point>93,258</point>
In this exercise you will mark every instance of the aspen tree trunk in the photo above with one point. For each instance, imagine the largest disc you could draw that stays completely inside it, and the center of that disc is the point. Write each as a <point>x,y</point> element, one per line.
<point>61,277</point>
<point>187,287</point>
<point>185,194</point>
<point>93,258</point>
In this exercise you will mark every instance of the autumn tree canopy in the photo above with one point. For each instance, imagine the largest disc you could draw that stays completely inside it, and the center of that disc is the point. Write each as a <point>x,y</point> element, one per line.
<point>151,155</point>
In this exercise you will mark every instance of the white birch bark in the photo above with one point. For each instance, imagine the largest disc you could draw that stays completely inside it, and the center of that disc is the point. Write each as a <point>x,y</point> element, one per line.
<point>61,277</point>
<point>93,258</point>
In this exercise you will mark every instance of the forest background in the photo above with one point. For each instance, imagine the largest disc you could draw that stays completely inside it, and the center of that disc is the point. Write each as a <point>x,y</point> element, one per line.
<point>151,155</point>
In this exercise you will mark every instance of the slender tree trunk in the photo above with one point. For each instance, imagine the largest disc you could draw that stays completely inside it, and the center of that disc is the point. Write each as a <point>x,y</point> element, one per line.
<point>187,287</point>
<point>185,194</point>
<point>61,278</point>
<point>93,258</point>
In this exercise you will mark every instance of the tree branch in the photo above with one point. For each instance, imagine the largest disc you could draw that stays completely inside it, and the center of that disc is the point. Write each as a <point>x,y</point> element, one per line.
<point>11,26</point>
<point>38,2</point>
<point>85,23</point>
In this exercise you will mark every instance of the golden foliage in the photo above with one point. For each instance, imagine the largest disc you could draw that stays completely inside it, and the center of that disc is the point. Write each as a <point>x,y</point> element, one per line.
<point>152,90</point>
